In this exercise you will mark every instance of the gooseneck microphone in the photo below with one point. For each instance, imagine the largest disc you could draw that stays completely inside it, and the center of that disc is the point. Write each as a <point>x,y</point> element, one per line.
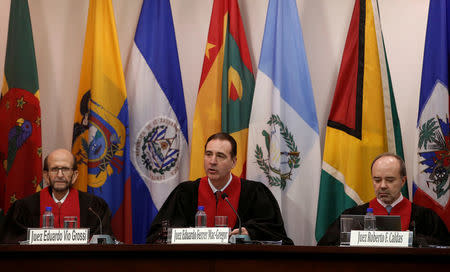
<point>238,238</point>
<point>100,238</point>
<point>225,197</point>
<point>99,219</point>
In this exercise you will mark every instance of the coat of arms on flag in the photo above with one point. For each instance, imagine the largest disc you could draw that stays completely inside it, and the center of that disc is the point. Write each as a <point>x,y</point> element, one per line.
<point>431,184</point>
<point>158,149</point>
<point>434,136</point>
<point>280,165</point>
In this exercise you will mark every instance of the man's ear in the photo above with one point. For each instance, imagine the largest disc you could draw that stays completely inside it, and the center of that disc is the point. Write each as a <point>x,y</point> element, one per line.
<point>404,180</point>
<point>46,178</point>
<point>74,177</point>
<point>234,162</point>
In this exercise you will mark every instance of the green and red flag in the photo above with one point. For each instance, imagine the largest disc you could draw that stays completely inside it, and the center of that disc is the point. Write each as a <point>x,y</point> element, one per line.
<point>363,120</point>
<point>224,98</point>
<point>20,113</point>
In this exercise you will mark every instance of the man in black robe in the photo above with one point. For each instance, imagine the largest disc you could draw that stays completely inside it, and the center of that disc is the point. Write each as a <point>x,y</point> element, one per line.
<point>60,173</point>
<point>388,177</point>
<point>256,206</point>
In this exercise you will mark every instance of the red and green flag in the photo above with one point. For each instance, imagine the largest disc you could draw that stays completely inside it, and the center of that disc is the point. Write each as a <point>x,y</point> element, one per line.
<point>224,98</point>
<point>363,121</point>
<point>20,113</point>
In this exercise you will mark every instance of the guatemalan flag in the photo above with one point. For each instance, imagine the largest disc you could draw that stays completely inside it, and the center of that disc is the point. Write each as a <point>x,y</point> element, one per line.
<point>432,185</point>
<point>158,122</point>
<point>283,143</point>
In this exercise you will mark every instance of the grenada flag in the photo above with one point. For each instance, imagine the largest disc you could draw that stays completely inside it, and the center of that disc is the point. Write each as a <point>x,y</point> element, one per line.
<point>224,98</point>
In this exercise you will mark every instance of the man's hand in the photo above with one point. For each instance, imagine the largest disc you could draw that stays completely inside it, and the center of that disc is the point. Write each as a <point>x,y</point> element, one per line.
<point>236,231</point>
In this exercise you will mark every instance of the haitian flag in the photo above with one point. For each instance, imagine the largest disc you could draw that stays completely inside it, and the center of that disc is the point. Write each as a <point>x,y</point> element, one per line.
<point>20,112</point>
<point>158,121</point>
<point>363,121</point>
<point>100,134</point>
<point>224,98</point>
<point>283,141</point>
<point>431,185</point>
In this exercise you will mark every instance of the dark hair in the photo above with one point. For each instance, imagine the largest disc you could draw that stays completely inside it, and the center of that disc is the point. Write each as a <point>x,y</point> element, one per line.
<point>74,165</point>
<point>224,137</point>
<point>399,159</point>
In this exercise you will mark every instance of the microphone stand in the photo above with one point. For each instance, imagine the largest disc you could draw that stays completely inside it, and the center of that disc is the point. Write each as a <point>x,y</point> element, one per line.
<point>236,238</point>
<point>101,238</point>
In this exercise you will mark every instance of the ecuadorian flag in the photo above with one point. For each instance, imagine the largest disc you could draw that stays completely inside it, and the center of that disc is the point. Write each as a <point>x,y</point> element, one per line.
<point>224,98</point>
<point>363,121</point>
<point>100,134</point>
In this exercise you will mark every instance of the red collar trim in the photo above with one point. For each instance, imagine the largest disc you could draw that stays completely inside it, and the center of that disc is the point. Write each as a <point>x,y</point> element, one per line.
<point>207,199</point>
<point>70,207</point>
<point>403,208</point>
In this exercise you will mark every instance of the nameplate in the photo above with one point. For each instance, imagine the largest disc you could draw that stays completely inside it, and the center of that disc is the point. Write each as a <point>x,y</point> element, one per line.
<point>199,235</point>
<point>58,236</point>
<point>381,238</point>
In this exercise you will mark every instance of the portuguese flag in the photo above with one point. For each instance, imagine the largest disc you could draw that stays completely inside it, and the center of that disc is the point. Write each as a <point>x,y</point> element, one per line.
<point>20,113</point>
<point>363,121</point>
<point>225,94</point>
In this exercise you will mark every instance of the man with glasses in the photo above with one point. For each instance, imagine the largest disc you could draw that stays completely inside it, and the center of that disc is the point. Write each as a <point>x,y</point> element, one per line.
<point>60,173</point>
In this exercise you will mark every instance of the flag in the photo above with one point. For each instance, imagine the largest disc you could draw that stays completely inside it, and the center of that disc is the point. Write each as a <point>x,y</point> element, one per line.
<point>225,94</point>
<point>283,142</point>
<point>100,133</point>
<point>431,185</point>
<point>363,121</point>
<point>20,113</point>
<point>158,121</point>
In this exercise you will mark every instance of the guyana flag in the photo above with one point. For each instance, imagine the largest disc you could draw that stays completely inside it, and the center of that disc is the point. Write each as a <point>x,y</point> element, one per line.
<point>225,94</point>
<point>363,121</point>
<point>20,113</point>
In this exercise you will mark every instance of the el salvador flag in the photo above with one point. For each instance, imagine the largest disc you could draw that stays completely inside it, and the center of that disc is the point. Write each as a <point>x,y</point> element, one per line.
<point>158,121</point>
<point>284,145</point>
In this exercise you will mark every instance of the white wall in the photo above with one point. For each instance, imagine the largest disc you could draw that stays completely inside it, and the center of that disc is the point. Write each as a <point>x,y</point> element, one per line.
<point>59,27</point>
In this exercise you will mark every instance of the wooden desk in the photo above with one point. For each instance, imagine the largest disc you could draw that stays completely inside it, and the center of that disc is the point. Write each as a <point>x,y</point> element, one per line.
<point>232,258</point>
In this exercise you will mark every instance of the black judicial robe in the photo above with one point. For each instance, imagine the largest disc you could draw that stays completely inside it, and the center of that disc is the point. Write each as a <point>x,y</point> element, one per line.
<point>428,227</point>
<point>25,213</point>
<point>258,210</point>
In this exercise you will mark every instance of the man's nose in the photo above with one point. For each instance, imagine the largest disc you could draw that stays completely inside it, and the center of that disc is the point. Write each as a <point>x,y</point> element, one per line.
<point>213,159</point>
<point>383,184</point>
<point>60,172</point>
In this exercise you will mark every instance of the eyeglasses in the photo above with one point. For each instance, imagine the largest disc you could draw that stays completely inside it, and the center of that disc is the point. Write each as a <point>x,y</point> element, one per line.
<point>65,170</point>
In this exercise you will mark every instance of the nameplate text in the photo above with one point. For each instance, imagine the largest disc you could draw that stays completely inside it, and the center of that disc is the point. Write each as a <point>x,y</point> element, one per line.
<point>381,238</point>
<point>200,235</point>
<point>43,236</point>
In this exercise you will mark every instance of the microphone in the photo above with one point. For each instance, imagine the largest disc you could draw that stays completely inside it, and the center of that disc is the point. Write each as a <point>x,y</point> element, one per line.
<point>240,238</point>
<point>100,238</point>
<point>99,219</point>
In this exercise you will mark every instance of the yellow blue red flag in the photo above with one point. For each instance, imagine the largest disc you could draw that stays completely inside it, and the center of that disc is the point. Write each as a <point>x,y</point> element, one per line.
<point>100,133</point>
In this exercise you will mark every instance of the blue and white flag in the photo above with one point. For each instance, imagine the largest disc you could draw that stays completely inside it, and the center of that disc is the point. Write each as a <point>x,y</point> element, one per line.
<point>158,122</point>
<point>284,144</point>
